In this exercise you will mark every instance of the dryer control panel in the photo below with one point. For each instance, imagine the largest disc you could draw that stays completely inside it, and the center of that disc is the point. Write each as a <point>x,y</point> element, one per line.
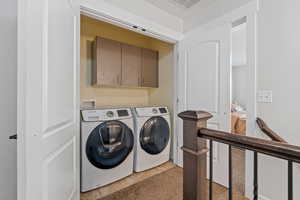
<point>105,114</point>
<point>151,111</point>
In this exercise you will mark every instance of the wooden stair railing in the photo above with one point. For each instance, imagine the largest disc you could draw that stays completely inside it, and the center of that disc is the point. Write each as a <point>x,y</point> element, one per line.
<point>195,136</point>
<point>269,132</point>
<point>275,137</point>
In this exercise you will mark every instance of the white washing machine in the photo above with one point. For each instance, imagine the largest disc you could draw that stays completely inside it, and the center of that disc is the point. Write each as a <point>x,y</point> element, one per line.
<point>152,137</point>
<point>107,142</point>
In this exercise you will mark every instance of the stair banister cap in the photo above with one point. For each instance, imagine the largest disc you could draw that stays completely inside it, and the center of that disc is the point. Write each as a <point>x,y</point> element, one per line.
<point>195,115</point>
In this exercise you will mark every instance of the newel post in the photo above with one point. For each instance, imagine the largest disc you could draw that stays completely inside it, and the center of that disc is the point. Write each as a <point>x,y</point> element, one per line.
<point>194,155</point>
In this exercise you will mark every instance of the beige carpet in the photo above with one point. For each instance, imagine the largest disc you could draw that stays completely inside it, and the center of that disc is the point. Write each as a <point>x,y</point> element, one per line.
<point>164,186</point>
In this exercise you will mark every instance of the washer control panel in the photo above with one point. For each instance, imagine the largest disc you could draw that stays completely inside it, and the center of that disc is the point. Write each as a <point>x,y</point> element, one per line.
<point>105,114</point>
<point>151,111</point>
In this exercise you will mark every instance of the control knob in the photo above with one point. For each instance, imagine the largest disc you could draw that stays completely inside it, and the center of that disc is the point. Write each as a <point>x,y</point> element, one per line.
<point>154,111</point>
<point>110,114</point>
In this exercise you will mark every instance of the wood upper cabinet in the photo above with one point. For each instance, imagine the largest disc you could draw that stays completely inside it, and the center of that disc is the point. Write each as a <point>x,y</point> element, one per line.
<point>131,65</point>
<point>149,68</point>
<point>107,62</point>
<point>116,64</point>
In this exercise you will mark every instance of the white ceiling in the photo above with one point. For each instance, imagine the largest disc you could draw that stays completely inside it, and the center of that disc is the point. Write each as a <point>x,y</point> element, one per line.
<point>180,8</point>
<point>186,3</point>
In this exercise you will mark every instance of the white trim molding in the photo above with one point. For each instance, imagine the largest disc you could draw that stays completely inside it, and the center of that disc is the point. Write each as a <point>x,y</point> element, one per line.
<point>261,197</point>
<point>108,13</point>
<point>119,17</point>
<point>249,11</point>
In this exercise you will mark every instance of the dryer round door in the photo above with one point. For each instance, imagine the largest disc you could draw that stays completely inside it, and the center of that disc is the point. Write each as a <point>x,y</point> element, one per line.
<point>109,144</point>
<point>155,135</point>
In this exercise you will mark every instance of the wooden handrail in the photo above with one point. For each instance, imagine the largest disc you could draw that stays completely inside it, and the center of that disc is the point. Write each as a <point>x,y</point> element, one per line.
<point>195,137</point>
<point>275,149</point>
<point>269,132</point>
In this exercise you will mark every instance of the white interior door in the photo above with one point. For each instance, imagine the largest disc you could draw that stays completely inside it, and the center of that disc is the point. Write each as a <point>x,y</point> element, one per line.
<point>8,100</point>
<point>48,111</point>
<point>204,84</point>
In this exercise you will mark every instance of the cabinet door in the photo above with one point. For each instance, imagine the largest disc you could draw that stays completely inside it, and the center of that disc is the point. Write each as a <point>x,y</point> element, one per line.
<point>131,65</point>
<point>149,68</point>
<point>108,62</point>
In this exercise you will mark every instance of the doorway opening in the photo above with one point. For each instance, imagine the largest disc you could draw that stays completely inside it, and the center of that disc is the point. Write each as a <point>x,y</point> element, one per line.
<point>123,86</point>
<point>239,98</point>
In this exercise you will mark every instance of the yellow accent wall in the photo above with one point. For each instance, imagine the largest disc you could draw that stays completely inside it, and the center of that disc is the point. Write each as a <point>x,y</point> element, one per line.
<point>115,97</point>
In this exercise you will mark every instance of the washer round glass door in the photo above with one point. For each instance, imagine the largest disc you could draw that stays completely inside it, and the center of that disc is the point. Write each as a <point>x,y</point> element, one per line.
<point>155,135</point>
<point>109,144</point>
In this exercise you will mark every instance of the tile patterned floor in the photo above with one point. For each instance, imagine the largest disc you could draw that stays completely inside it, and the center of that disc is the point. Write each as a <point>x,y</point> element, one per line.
<point>166,185</point>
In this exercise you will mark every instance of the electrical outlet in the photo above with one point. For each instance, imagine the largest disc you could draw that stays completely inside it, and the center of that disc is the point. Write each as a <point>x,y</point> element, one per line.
<point>265,96</point>
<point>87,104</point>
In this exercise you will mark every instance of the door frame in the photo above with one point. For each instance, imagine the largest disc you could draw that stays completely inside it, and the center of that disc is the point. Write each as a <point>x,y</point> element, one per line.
<point>250,11</point>
<point>108,13</point>
<point>21,182</point>
<point>113,16</point>
<point>103,12</point>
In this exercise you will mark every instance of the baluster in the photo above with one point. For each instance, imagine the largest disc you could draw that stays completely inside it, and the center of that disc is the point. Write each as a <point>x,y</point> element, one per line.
<point>290,180</point>
<point>230,173</point>
<point>211,169</point>
<point>255,182</point>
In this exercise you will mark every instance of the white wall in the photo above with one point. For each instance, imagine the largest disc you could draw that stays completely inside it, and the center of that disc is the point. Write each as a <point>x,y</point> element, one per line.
<point>239,85</point>
<point>239,68</point>
<point>278,70</point>
<point>8,105</point>
<point>203,12</point>
<point>239,45</point>
<point>144,9</point>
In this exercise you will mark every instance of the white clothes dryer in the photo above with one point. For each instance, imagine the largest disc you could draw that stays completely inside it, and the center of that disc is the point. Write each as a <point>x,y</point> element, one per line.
<point>152,137</point>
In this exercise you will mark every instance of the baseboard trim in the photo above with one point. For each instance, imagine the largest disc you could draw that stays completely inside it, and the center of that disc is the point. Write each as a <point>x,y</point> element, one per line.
<point>261,197</point>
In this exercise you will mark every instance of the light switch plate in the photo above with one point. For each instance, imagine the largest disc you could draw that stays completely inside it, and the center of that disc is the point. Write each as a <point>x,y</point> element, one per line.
<point>265,96</point>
